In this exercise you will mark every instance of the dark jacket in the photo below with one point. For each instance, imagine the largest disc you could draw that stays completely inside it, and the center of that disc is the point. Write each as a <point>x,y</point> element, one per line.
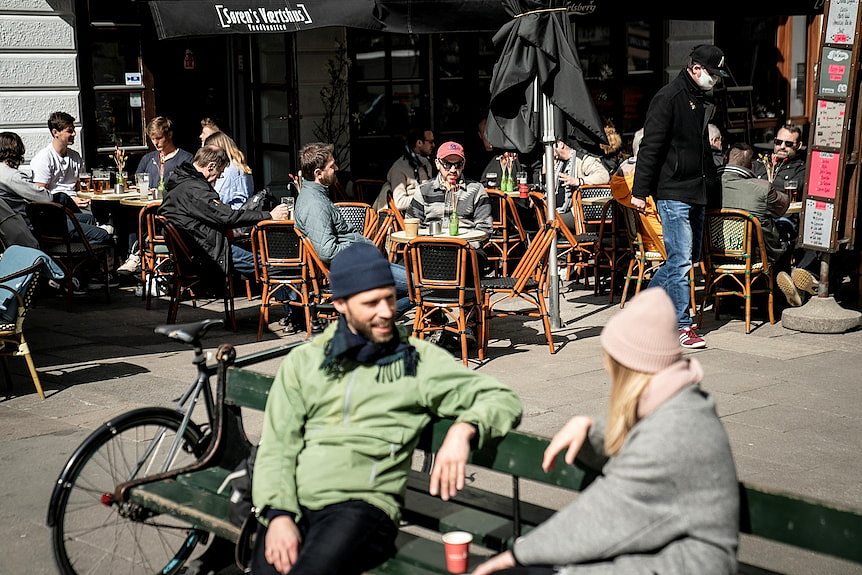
<point>675,159</point>
<point>793,169</point>
<point>194,207</point>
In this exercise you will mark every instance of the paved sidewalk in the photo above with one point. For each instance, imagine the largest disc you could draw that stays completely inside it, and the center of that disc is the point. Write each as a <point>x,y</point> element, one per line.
<point>790,401</point>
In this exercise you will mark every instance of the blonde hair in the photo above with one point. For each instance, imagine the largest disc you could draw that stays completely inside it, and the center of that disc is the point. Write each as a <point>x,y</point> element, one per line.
<point>227,144</point>
<point>615,142</point>
<point>627,386</point>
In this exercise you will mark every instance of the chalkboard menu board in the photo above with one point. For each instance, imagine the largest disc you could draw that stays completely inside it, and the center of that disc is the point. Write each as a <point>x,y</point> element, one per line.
<point>835,71</point>
<point>841,22</point>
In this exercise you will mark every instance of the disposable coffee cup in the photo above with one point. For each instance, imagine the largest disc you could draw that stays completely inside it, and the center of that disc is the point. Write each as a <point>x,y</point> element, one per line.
<point>456,545</point>
<point>411,227</point>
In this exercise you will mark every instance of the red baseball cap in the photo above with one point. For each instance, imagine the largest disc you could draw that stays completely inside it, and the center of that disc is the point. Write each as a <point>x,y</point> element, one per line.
<point>450,149</point>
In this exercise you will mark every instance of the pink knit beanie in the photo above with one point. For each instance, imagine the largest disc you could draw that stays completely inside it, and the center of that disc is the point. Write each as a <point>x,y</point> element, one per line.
<point>644,335</point>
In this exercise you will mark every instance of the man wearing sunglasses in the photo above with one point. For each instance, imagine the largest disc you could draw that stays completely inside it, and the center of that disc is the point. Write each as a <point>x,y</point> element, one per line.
<point>787,163</point>
<point>434,199</point>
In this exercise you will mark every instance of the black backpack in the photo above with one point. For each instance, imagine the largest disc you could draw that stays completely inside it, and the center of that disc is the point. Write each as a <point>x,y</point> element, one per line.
<point>262,201</point>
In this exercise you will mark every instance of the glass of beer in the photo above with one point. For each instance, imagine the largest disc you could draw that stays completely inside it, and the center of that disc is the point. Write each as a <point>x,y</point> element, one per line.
<point>101,181</point>
<point>84,180</point>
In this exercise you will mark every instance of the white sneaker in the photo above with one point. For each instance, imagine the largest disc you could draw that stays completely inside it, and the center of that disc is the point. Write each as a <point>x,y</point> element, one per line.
<point>108,228</point>
<point>131,265</point>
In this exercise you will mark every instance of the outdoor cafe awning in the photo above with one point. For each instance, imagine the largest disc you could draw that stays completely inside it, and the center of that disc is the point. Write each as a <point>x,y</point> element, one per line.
<point>178,18</point>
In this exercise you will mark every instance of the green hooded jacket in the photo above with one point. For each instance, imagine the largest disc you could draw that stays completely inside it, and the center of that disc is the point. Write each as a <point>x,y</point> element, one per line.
<point>329,439</point>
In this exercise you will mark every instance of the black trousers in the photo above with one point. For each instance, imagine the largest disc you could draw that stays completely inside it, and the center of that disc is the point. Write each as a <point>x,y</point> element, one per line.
<point>342,539</point>
<point>528,571</point>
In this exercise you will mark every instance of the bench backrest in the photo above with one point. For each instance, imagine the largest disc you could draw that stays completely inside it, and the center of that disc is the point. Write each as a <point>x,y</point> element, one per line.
<point>806,523</point>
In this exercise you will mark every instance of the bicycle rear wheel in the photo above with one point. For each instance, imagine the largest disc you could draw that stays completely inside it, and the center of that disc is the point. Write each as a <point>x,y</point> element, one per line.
<point>92,534</point>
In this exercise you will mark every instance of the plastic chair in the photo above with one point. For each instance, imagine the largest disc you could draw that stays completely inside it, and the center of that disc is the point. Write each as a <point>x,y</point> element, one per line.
<point>444,284</point>
<point>527,283</point>
<point>50,225</point>
<point>735,255</point>
<point>280,265</point>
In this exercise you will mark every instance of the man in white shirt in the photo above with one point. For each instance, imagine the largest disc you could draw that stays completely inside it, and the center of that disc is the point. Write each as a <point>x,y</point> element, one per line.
<point>57,167</point>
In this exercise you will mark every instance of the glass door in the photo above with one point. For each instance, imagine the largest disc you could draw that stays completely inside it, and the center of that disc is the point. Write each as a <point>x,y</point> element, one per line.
<point>276,122</point>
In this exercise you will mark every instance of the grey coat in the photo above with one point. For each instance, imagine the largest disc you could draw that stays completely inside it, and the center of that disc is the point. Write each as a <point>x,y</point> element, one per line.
<point>318,218</point>
<point>667,503</point>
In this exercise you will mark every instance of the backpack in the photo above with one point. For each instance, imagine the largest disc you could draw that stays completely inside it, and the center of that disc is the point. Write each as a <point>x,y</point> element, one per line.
<point>262,201</point>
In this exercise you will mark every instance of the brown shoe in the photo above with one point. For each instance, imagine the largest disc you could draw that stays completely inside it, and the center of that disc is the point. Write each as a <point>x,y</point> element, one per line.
<point>787,287</point>
<point>804,280</point>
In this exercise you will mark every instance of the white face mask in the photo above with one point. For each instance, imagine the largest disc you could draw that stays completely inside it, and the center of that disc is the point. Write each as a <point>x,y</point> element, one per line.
<point>706,80</point>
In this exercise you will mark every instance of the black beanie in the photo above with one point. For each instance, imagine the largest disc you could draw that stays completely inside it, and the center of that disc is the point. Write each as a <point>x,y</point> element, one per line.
<point>359,267</point>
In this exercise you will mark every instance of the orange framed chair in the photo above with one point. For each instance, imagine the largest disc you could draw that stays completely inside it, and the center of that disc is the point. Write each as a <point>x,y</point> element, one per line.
<point>156,265</point>
<point>527,282</point>
<point>361,217</point>
<point>320,296</point>
<point>385,225</point>
<point>567,244</point>
<point>280,266</point>
<point>507,233</point>
<point>736,262</point>
<point>444,284</point>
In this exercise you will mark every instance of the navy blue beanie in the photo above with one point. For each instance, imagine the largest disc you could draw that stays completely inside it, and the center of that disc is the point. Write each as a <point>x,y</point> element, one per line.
<point>359,267</point>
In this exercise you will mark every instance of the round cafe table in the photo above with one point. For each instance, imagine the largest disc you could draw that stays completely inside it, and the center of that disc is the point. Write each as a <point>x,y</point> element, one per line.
<point>793,208</point>
<point>400,237</point>
<point>137,202</point>
<point>109,197</point>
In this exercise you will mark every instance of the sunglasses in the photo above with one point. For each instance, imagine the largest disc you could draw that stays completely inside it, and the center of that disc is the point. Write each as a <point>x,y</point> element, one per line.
<point>451,165</point>
<point>788,143</point>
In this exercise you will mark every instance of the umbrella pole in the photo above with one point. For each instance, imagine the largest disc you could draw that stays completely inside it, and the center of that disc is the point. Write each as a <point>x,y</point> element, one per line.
<point>548,140</point>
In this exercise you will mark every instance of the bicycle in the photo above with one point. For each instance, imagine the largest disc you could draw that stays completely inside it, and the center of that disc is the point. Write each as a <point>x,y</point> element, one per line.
<point>90,531</point>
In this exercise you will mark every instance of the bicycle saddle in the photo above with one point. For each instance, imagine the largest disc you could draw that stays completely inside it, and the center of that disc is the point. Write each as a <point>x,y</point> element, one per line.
<point>188,332</point>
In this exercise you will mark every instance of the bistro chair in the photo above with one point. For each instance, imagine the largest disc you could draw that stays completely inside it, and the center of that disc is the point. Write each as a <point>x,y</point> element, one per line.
<point>647,261</point>
<point>735,257</point>
<point>361,217</point>
<point>366,190</point>
<point>281,268</point>
<point>444,284</point>
<point>612,247</point>
<point>527,283</point>
<point>567,243</point>
<point>320,294</point>
<point>190,278</point>
<point>385,226</point>
<point>50,225</point>
<point>395,251</point>
<point>156,265</point>
<point>589,218</point>
<point>507,232</point>
<point>21,288</point>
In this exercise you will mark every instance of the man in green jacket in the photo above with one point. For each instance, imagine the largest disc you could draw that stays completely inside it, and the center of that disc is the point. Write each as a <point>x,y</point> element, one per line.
<point>343,417</point>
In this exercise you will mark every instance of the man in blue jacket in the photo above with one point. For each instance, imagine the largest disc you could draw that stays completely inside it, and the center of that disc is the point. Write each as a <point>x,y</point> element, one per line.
<point>675,166</point>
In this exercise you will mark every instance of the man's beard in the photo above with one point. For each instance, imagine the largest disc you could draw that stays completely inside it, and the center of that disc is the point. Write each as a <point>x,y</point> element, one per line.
<point>366,330</point>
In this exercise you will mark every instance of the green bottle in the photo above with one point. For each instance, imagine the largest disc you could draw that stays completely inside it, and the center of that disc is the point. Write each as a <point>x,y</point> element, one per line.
<point>453,223</point>
<point>161,190</point>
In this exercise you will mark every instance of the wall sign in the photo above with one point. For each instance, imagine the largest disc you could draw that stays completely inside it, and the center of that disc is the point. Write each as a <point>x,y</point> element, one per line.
<point>835,71</point>
<point>829,124</point>
<point>841,22</point>
<point>134,79</point>
<point>823,174</point>
<point>817,231</point>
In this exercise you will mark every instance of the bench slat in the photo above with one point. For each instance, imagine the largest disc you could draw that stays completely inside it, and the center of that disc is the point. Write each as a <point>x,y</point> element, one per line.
<point>247,388</point>
<point>202,509</point>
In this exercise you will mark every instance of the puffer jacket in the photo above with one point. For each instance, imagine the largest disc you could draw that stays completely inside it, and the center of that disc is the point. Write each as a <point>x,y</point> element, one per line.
<point>318,218</point>
<point>332,438</point>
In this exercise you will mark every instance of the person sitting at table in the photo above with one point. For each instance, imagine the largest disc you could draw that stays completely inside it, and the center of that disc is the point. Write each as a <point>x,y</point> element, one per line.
<point>667,497</point>
<point>621,189</point>
<point>236,184</point>
<point>16,191</point>
<point>318,218</point>
<point>210,126</point>
<point>786,163</point>
<point>585,170</point>
<point>434,200</point>
<point>193,206</point>
<point>409,171</point>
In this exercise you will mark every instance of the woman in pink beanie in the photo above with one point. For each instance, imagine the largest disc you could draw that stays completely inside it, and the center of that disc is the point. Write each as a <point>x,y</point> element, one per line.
<point>666,499</point>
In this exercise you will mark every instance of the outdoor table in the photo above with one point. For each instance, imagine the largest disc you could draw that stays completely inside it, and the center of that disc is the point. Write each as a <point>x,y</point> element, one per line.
<point>109,197</point>
<point>794,208</point>
<point>471,235</point>
<point>137,201</point>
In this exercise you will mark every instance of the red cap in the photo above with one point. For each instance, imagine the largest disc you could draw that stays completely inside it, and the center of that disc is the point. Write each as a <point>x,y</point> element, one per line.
<point>450,149</point>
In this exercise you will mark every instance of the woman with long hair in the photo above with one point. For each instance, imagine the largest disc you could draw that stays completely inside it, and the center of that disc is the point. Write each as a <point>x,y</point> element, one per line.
<point>236,184</point>
<point>666,499</point>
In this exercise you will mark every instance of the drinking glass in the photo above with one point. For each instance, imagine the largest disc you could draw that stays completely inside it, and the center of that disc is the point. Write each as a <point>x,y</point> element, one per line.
<point>143,183</point>
<point>84,178</point>
<point>101,181</point>
<point>289,201</point>
<point>791,187</point>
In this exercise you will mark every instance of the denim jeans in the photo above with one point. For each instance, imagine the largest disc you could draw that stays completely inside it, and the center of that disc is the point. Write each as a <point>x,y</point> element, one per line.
<point>344,538</point>
<point>682,228</point>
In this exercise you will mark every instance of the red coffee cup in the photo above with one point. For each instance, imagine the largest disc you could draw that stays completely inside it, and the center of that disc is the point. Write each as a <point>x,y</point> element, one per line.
<point>522,191</point>
<point>457,545</point>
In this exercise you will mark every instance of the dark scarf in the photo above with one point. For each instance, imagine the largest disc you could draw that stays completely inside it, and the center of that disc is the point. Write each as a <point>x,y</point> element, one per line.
<point>346,346</point>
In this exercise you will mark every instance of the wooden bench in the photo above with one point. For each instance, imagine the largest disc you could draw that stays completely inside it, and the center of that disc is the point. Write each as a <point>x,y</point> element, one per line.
<point>494,519</point>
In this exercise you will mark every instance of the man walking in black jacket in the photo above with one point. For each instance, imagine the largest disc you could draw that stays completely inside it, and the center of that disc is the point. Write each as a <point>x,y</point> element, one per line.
<point>193,206</point>
<point>675,166</point>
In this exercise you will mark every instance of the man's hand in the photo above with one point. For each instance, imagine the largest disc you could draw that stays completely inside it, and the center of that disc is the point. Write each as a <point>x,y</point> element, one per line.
<point>569,180</point>
<point>496,563</point>
<point>447,477</point>
<point>570,437</point>
<point>639,204</point>
<point>81,202</point>
<point>280,212</point>
<point>282,543</point>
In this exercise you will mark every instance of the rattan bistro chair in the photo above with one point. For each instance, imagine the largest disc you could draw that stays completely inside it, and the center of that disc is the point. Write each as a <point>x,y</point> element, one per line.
<point>157,268</point>
<point>12,342</point>
<point>444,284</point>
<point>361,217</point>
<point>507,233</point>
<point>735,256</point>
<point>527,282</point>
<point>280,267</point>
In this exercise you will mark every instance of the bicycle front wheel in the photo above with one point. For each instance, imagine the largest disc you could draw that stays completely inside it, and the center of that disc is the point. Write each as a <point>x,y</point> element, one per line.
<point>92,534</point>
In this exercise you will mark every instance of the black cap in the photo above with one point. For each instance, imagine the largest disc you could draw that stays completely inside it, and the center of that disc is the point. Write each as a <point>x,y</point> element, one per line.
<point>711,58</point>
